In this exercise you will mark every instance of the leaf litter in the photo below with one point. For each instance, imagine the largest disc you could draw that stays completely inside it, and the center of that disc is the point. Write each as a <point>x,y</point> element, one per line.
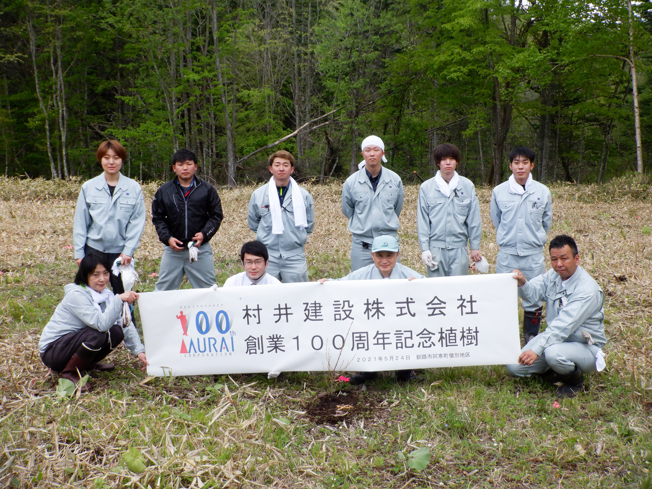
<point>165,425</point>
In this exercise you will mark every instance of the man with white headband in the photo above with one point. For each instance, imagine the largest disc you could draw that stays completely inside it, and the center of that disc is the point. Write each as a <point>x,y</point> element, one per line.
<point>282,215</point>
<point>448,217</point>
<point>372,199</point>
<point>521,210</point>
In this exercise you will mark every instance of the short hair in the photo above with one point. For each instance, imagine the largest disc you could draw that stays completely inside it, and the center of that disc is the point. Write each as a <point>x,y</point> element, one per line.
<point>182,155</point>
<point>563,240</point>
<point>446,151</point>
<point>286,155</point>
<point>88,265</point>
<point>522,151</point>
<point>255,248</point>
<point>105,146</point>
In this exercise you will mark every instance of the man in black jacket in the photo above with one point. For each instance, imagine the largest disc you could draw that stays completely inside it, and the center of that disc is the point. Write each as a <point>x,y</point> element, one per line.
<point>186,210</point>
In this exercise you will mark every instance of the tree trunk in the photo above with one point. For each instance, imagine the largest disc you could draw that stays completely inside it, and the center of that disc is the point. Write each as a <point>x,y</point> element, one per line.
<point>354,151</point>
<point>482,180</point>
<point>637,112</point>
<point>501,116</point>
<point>32,45</point>
<point>230,139</point>
<point>63,109</point>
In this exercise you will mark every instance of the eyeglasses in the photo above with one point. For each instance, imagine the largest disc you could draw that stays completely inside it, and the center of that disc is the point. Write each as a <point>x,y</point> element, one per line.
<point>258,263</point>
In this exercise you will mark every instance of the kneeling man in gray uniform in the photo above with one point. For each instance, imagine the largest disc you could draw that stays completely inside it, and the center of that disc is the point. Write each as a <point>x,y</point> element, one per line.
<point>572,343</point>
<point>385,254</point>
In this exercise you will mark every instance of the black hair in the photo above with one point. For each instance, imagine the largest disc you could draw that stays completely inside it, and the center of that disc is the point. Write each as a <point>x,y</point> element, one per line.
<point>446,150</point>
<point>522,151</point>
<point>563,240</point>
<point>88,265</point>
<point>182,155</point>
<point>255,248</point>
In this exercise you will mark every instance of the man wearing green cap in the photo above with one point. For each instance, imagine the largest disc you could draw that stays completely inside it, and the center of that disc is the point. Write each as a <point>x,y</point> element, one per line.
<point>385,254</point>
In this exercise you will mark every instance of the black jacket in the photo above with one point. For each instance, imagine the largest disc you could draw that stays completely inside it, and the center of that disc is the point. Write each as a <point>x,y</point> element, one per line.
<point>182,218</point>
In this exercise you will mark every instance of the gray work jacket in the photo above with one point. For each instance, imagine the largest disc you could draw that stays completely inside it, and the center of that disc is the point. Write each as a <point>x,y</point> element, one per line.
<point>77,311</point>
<point>109,224</point>
<point>448,222</point>
<point>522,221</point>
<point>293,239</point>
<point>372,213</point>
<point>572,306</point>
<point>371,272</point>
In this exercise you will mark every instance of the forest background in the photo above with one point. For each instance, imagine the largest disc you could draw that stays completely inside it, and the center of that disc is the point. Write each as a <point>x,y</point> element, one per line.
<point>227,78</point>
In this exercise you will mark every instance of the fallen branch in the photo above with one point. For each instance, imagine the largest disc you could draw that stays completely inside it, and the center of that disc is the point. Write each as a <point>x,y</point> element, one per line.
<point>285,138</point>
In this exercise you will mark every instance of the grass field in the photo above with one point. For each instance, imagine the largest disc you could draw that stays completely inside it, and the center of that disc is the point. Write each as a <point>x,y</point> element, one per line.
<point>480,427</point>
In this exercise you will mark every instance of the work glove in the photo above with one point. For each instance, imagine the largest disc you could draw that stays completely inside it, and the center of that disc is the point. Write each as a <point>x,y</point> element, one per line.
<point>193,252</point>
<point>426,258</point>
<point>482,266</point>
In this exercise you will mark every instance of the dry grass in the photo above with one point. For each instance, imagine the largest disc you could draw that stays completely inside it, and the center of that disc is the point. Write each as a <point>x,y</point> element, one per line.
<point>239,441</point>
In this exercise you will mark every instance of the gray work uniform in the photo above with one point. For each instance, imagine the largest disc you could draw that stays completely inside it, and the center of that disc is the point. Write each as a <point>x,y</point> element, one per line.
<point>110,224</point>
<point>287,258</point>
<point>572,306</point>
<point>371,213</point>
<point>445,224</point>
<point>371,272</point>
<point>522,223</point>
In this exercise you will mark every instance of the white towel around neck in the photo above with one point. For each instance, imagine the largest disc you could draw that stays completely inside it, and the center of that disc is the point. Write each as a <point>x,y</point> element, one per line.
<point>447,187</point>
<point>517,188</point>
<point>105,296</point>
<point>298,207</point>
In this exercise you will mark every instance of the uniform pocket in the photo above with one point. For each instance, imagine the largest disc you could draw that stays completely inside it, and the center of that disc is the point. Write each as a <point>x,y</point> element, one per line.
<point>505,205</point>
<point>126,206</point>
<point>462,207</point>
<point>96,202</point>
<point>536,216</point>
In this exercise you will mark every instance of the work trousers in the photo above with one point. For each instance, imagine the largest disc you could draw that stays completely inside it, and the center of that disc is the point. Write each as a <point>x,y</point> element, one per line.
<point>452,262</point>
<point>530,266</point>
<point>561,357</point>
<point>201,274</point>
<point>289,269</point>
<point>88,343</point>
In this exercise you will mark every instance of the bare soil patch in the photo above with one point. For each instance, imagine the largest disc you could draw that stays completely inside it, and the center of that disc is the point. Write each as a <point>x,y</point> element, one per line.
<point>336,407</point>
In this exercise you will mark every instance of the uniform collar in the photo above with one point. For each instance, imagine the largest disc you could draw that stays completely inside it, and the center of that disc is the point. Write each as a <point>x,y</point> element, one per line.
<point>567,287</point>
<point>101,183</point>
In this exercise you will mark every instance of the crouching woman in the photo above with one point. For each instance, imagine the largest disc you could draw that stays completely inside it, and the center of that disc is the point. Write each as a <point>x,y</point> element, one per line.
<point>86,325</point>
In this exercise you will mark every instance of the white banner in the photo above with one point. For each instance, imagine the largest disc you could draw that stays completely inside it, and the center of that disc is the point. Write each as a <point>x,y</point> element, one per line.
<point>350,325</point>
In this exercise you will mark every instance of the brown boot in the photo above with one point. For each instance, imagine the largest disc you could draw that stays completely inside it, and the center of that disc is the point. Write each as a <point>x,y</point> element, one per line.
<point>72,371</point>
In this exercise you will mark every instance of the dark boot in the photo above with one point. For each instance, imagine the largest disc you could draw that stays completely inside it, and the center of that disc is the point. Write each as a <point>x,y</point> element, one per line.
<point>102,367</point>
<point>405,375</point>
<point>571,383</point>
<point>362,377</point>
<point>72,371</point>
<point>531,323</point>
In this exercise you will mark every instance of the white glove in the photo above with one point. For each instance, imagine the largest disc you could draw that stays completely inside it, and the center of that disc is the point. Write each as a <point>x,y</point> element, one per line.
<point>426,258</point>
<point>482,266</point>
<point>193,252</point>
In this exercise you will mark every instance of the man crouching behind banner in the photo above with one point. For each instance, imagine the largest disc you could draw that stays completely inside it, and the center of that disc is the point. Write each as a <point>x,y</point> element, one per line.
<point>572,343</point>
<point>254,258</point>
<point>87,324</point>
<point>385,253</point>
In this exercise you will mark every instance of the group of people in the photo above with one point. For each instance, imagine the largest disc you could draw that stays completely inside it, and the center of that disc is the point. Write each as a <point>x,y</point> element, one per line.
<point>187,213</point>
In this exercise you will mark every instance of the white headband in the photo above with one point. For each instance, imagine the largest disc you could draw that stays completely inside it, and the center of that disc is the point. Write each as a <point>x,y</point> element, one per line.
<point>374,141</point>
